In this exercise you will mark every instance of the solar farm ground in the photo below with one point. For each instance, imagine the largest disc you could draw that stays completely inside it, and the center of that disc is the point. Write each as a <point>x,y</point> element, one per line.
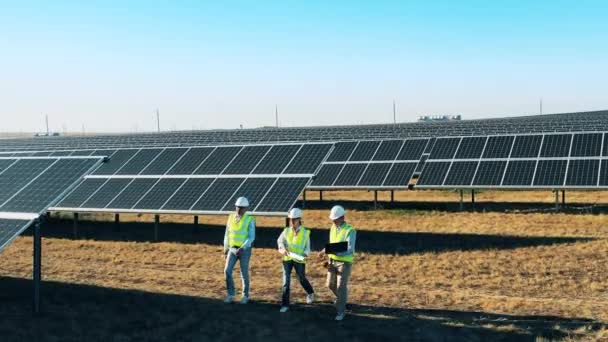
<point>430,273</point>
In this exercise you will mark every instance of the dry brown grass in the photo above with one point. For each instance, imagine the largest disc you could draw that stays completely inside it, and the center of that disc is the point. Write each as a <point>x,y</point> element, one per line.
<point>512,265</point>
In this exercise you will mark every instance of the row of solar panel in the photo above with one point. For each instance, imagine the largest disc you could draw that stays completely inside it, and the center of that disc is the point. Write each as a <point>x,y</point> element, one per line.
<point>378,150</point>
<point>521,146</point>
<point>265,194</point>
<point>227,160</point>
<point>9,229</point>
<point>515,173</point>
<point>364,175</point>
<point>30,185</point>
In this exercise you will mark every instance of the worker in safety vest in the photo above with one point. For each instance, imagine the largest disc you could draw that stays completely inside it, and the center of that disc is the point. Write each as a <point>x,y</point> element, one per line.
<point>238,240</point>
<point>340,264</point>
<point>294,245</point>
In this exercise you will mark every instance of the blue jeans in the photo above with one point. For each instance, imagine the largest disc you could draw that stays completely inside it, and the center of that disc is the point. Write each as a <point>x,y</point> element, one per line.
<point>244,264</point>
<point>301,273</point>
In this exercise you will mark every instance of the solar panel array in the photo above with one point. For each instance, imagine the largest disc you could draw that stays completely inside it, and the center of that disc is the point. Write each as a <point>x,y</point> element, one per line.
<point>372,164</point>
<point>28,186</point>
<point>555,161</point>
<point>199,180</point>
<point>568,122</point>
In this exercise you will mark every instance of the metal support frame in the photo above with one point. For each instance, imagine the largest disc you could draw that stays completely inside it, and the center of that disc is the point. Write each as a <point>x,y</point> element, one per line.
<point>37,262</point>
<point>473,196</point>
<point>563,197</point>
<point>304,199</point>
<point>156,224</point>
<point>196,220</point>
<point>116,219</point>
<point>556,200</point>
<point>375,199</point>
<point>320,195</point>
<point>392,196</point>
<point>75,228</point>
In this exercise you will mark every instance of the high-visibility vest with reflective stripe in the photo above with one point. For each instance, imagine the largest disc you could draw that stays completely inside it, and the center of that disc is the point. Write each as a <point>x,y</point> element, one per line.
<point>342,236</point>
<point>238,232</point>
<point>296,243</point>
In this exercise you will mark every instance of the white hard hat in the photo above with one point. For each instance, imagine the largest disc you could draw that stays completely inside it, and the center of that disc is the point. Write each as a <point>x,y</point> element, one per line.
<point>336,212</point>
<point>295,213</point>
<point>242,202</point>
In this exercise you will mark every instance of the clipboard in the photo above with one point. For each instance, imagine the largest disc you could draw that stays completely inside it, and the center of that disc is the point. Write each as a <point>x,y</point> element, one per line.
<point>337,247</point>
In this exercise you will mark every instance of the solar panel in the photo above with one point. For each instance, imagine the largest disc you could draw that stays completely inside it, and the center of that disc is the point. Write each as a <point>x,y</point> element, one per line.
<point>461,173</point>
<point>550,173</point>
<point>498,147</point>
<point>583,172</point>
<point>433,173</point>
<point>445,148</point>
<point>587,145</point>
<point>526,146</point>
<point>490,173</point>
<point>283,195</point>
<point>557,145</point>
<point>375,174</point>
<point>197,190</point>
<point>350,174</point>
<point>399,175</point>
<point>519,173</point>
<point>342,151</point>
<point>364,151</point>
<point>10,229</point>
<point>471,148</point>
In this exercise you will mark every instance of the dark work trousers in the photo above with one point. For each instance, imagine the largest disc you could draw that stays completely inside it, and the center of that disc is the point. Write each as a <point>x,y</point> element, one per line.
<point>300,272</point>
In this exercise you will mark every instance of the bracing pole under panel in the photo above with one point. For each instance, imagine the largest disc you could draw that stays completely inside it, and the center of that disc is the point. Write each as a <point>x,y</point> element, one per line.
<point>37,262</point>
<point>156,224</point>
<point>75,230</point>
<point>461,200</point>
<point>375,199</point>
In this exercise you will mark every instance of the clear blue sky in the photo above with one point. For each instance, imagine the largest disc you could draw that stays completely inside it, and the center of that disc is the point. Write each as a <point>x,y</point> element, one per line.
<point>205,64</point>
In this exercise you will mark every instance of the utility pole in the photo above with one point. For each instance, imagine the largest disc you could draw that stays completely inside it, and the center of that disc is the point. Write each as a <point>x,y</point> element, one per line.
<point>276,115</point>
<point>157,120</point>
<point>46,119</point>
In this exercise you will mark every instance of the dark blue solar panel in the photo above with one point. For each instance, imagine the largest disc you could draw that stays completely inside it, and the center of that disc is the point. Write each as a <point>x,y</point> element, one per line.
<point>444,148</point>
<point>526,146</point>
<point>557,145</point>
<point>587,145</point>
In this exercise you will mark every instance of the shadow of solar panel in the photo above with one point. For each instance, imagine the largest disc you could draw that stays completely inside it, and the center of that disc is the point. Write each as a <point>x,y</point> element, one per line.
<point>164,161</point>
<point>364,151</point>
<point>388,150</point>
<point>253,189</point>
<point>81,193</point>
<point>218,194</point>
<point>308,159</point>
<point>44,189</point>
<point>583,172</point>
<point>461,173</point>
<point>9,229</point>
<point>218,160</point>
<point>277,159</point>
<point>374,174</point>
<point>519,173</point>
<point>604,173</point>
<point>246,160</point>
<point>557,145</point>
<point>188,194</point>
<point>400,174</point>
<point>132,193</point>
<point>550,173</point>
<point>20,174</point>
<point>412,149</point>
<point>433,173</point>
<point>327,175</point>
<point>117,160</point>
<point>100,198</point>
<point>283,195</point>
<point>444,148</point>
<point>498,147</point>
<point>350,175</point>
<point>471,148</point>
<point>139,162</point>
<point>526,146</point>
<point>159,194</point>
<point>342,151</point>
<point>190,161</point>
<point>587,145</point>
<point>490,173</point>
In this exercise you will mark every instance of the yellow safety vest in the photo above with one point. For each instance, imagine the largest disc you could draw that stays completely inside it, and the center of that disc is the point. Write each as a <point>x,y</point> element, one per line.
<point>296,243</point>
<point>238,232</point>
<point>342,236</point>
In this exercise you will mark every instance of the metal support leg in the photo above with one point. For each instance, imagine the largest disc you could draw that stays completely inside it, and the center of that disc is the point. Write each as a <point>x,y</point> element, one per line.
<point>320,195</point>
<point>116,219</point>
<point>556,200</point>
<point>375,199</point>
<point>473,197</point>
<point>75,230</point>
<point>563,197</point>
<point>392,196</point>
<point>303,199</point>
<point>37,272</point>
<point>461,200</point>
<point>196,220</point>
<point>156,224</point>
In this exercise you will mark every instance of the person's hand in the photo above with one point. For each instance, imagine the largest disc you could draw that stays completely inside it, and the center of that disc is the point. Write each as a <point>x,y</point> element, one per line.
<point>284,251</point>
